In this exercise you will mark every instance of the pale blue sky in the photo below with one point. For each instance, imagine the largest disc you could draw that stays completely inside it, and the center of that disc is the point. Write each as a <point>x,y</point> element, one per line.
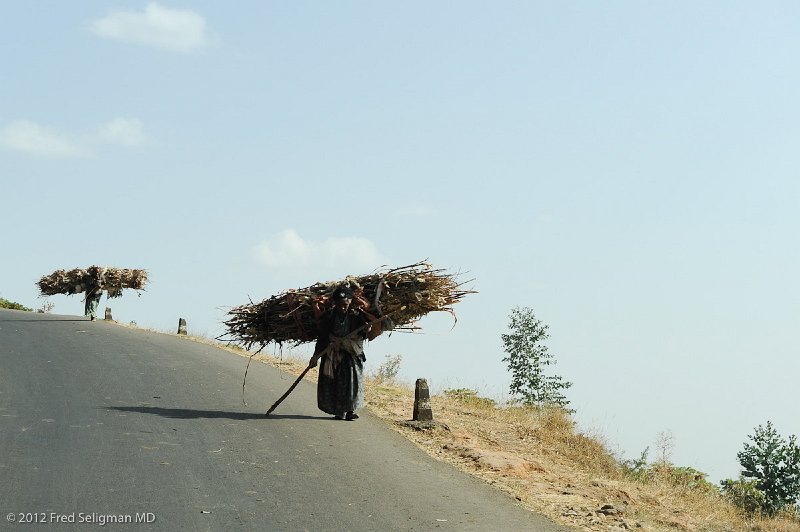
<point>629,170</point>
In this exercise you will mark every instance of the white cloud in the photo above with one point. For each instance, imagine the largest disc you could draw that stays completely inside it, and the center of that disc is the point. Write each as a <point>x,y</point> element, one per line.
<point>35,139</point>
<point>122,131</point>
<point>173,29</point>
<point>26,136</point>
<point>288,252</point>
<point>284,250</point>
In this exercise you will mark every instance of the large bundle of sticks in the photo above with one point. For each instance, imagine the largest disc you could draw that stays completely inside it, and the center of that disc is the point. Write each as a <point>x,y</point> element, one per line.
<point>75,281</point>
<point>402,294</point>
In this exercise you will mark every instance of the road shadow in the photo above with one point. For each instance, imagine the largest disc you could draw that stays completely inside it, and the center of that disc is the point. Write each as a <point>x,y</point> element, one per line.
<point>185,413</point>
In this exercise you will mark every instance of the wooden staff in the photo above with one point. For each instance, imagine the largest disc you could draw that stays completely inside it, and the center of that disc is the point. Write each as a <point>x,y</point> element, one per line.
<point>292,387</point>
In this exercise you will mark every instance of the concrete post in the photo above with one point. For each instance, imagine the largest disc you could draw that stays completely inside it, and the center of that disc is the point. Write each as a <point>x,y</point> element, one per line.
<point>181,326</point>
<point>108,314</point>
<point>422,402</point>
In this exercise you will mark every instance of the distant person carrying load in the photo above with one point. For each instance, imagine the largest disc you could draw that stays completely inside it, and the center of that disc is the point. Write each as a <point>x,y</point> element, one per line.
<point>94,291</point>
<point>93,281</point>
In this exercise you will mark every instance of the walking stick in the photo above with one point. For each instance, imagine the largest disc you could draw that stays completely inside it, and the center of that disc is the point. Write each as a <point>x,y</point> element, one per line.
<point>292,387</point>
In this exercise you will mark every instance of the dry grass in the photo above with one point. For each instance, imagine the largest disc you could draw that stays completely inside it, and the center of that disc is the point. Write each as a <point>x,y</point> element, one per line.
<point>538,457</point>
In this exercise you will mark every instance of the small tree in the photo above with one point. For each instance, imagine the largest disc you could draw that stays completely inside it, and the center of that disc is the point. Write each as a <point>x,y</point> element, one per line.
<point>773,465</point>
<point>665,443</point>
<point>527,358</point>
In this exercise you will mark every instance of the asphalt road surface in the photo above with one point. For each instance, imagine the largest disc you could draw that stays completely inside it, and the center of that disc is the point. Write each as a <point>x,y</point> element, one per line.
<point>101,425</point>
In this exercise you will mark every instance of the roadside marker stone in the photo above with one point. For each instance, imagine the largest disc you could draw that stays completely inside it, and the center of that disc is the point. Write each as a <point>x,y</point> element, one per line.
<point>422,402</point>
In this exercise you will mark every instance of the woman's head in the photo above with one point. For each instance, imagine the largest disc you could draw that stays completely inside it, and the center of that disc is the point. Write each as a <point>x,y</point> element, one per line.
<point>342,297</point>
<point>343,292</point>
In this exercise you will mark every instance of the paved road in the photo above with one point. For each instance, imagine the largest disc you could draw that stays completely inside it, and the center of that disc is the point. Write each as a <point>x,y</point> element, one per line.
<point>99,420</point>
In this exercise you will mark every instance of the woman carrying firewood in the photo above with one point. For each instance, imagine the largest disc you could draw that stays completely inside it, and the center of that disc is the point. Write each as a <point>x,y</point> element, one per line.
<point>340,348</point>
<point>94,291</point>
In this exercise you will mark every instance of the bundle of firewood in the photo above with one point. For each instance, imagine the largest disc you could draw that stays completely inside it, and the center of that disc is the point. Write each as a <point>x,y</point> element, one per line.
<point>75,281</point>
<point>401,294</point>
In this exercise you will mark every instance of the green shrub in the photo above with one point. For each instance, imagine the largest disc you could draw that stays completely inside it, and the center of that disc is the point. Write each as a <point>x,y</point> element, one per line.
<point>687,478</point>
<point>637,468</point>
<point>388,370</point>
<point>744,494</point>
<point>5,303</point>
<point>684,477</point>
<point>470,397</point>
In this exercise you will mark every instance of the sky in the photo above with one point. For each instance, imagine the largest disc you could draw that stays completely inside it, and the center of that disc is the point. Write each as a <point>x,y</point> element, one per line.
<point>627,170</point>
